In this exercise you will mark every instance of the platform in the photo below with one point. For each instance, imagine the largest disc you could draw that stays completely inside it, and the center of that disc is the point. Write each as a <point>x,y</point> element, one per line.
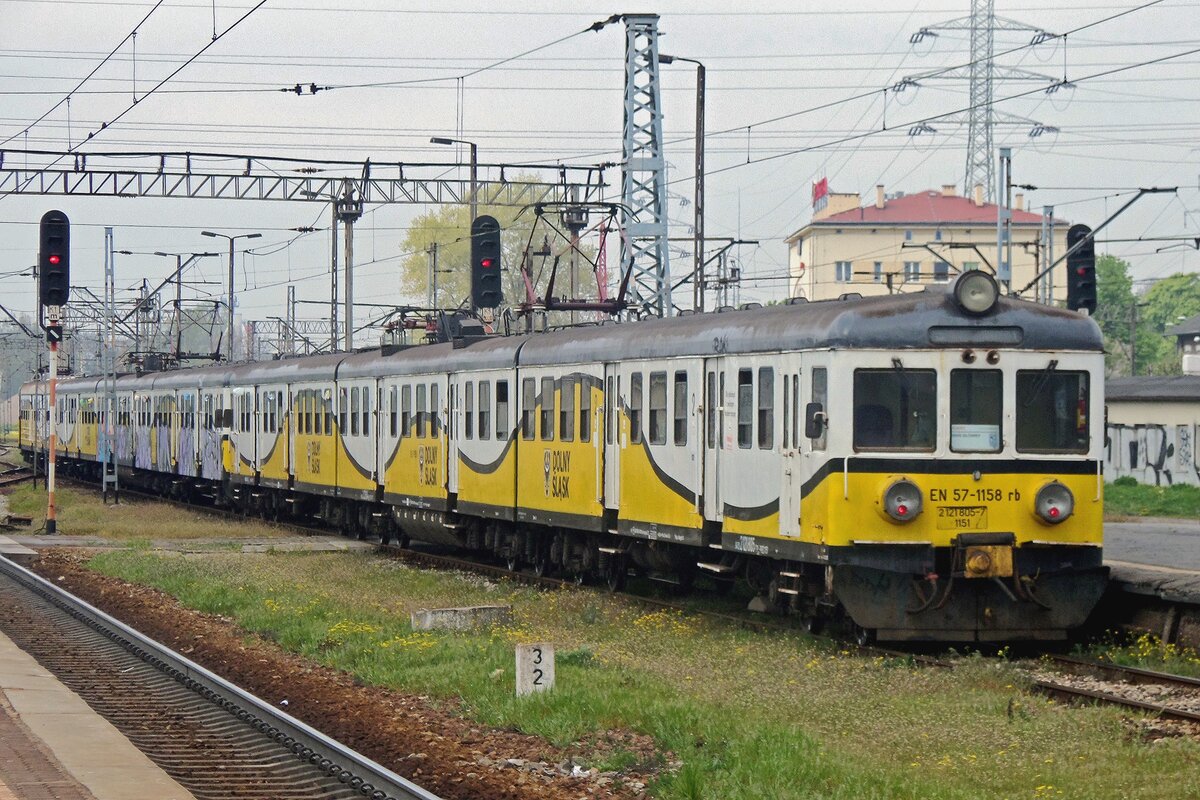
<point>53,745</point>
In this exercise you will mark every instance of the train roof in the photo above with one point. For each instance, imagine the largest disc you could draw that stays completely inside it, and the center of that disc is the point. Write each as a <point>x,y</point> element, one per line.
<point>908,321</point>
<point>930,318</point>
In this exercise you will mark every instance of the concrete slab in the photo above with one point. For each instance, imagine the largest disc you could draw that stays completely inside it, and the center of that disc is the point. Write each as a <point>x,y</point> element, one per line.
<point>16,552</point>
<point>87,746</point>
<point>460,619</point>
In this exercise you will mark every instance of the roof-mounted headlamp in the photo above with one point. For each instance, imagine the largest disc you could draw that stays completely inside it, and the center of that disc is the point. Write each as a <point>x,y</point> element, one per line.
<point>976,292</point>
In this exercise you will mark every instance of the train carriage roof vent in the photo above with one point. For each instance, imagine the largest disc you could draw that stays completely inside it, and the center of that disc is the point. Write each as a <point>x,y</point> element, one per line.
<point>795,301</point>
<point>686,312</point>
<point>850,296</point>
<point>749,306</point>
<point>723,309</point>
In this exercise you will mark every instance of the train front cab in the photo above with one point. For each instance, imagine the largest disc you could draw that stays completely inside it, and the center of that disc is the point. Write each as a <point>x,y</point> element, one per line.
<point>960,497</point>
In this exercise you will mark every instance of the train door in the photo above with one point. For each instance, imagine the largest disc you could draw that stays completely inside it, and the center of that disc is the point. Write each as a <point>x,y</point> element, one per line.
<point>612,437</point>
<point>461,397</point>
<point>750,462</point>
<point>789,445</point>
<point>714,436</point>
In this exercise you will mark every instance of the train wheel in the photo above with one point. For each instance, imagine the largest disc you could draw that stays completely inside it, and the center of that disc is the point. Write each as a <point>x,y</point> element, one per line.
<point>863,636</point>
<point>541,563</point>
<point>616,574</point>
<point>512,563</point>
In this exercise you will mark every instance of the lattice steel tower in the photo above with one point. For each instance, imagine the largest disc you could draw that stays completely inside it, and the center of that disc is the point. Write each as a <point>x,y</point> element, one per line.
<point>982,75</point>
<point>644,176</point>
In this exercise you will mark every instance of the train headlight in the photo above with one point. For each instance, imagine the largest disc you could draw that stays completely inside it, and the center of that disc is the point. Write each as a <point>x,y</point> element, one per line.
<point>976,292</point>
<point>1054,503</point>
<point>902,500</point>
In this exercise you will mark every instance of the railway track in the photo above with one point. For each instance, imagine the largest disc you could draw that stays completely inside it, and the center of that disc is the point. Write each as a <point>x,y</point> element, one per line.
<point>1167,696</point>
<point>11,477</point>
<point>211,736</point>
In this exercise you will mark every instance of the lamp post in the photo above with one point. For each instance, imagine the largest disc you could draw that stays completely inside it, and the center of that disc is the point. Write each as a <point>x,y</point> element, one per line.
<point>474,168</point>
<point>698,203</point>
<point>231,239</point>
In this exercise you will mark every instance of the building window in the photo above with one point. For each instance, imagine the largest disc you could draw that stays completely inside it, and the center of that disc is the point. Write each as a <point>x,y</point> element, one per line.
<point>970,265</point>
<point>937,235</point>
<point>843,271</point>
<point>912,270</point>
<point>908,236</point>
<point>941,271</point>
<point>879,272</point>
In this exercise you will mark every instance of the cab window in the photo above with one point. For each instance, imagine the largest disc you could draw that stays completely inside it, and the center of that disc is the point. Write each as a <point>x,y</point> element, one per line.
<point>895,409</point>
<point>1052,411</point>
<point>976,410</point>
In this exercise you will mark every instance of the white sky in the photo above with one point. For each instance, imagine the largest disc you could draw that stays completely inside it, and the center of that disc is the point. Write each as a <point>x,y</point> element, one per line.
<point>1133,128</point>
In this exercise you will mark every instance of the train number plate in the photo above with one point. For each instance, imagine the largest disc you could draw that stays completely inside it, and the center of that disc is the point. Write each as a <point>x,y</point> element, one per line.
<point>962,518</point>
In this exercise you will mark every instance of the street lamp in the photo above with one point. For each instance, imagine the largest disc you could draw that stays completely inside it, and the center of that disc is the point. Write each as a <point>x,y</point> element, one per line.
<point>698,220</point>
<point>231,238</point>
<point>474,167</point>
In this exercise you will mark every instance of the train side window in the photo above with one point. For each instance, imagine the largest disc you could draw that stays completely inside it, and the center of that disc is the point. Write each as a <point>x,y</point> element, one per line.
<point>795,412</point>
<point>635,408</point>
<point>502,430</point>
<point>976,410</point>
<point>610,402</point>
<point>745,409</point>
<point>405,410</point>
<point>658,408</point>
<point>469,410</point>
<point>343,411</point>
<point>787,412</point>
<point>434,410</point>
<point>393,411</point>
<point>421,389</point>
<point>895,409</point>
<point>1052,411</point>
<point>547,417</point>
<point>710,410</point>
<point>585,411</point>
<point>820,396</point>
<point>278,413</point>
<point>766,408</point>
<point>566,411</point>
<point>355,409</point>
<point>680,408</point>
<point>327,407</point>
<point>528,399</point>
<point>485,409</point>
<point>366,411</point>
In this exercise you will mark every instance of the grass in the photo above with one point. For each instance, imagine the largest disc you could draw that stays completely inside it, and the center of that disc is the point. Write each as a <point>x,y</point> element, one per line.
<point>82,512</point>
<point>744,715</point>
<point>1127,497</point>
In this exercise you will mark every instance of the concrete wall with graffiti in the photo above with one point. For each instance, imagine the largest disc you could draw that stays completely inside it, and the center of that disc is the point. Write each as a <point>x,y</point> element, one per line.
<point>1153,453</point>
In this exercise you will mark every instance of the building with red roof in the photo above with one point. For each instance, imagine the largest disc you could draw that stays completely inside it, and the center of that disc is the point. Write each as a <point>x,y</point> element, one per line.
<point>903,242</point>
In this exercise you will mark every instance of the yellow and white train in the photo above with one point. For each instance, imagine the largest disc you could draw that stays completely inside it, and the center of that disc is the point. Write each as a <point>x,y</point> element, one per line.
<point>926,465</point>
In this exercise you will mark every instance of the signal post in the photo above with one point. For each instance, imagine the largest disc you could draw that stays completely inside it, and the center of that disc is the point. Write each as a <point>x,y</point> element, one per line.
<point>54,288</point>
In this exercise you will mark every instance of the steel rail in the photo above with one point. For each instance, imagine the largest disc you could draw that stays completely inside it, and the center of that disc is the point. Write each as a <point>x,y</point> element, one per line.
<point>368,778</point>
<point>1135,675</point>
<point>1076,695</point>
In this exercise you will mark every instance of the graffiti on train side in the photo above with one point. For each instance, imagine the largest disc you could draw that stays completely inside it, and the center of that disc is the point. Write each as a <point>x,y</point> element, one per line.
<point>1153,453</point>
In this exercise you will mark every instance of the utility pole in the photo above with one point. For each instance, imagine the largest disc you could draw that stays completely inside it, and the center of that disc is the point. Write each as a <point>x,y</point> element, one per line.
<point>229,327</point>
<point>1004,222</point>
<point>432,251</point>
<point>333,276</point>
<point>349,209</point>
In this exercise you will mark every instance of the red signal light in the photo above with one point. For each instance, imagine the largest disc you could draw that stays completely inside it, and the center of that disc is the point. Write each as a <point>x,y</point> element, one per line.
<point>902,510</point>
<point>54,259</point>
<point>487,263</point>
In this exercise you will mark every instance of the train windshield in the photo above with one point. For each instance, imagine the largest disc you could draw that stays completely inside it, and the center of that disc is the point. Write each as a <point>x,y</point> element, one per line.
<point>1052,411</point>
<point>975,410</point>
<point>895,409</point>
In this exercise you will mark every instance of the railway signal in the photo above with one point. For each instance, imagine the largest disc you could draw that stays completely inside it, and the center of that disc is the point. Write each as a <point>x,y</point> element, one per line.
<point>1081,269</point>
<point>54,259</point>
<point>487,290</point>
